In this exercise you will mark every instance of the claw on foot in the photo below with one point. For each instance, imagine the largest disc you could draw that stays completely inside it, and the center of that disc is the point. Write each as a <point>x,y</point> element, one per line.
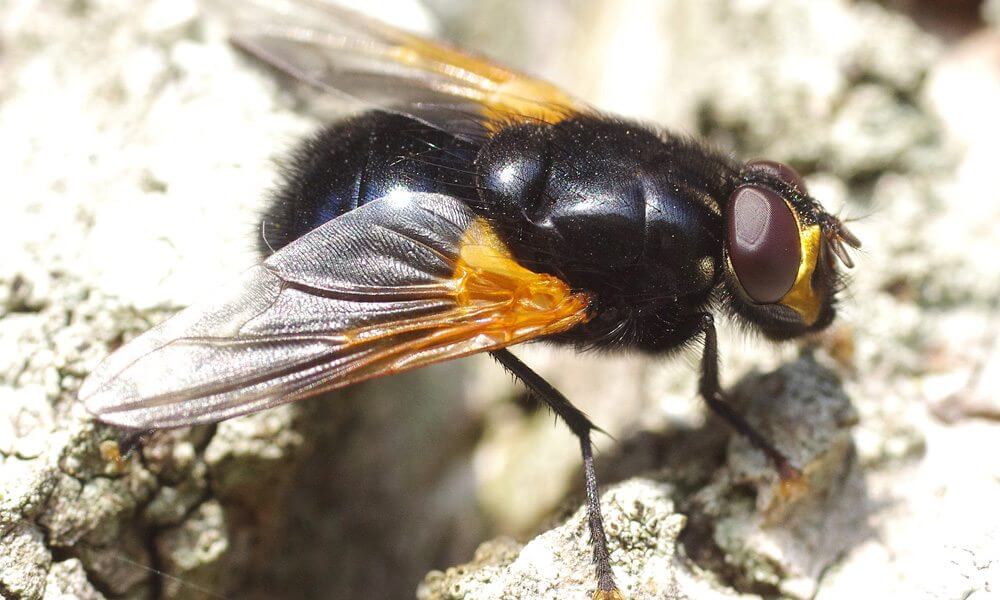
<point>788,472</point>
<point>793,482</point>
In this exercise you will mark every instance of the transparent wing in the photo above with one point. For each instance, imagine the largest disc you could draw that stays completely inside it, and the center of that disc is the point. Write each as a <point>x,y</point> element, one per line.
<point>399,283</point>
<point>338,50</point>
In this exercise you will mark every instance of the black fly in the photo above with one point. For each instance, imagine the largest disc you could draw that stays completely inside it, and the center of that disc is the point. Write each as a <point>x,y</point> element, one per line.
<point>472,209</point>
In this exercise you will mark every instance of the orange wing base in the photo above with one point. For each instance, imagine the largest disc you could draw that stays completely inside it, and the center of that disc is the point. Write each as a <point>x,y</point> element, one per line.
<point>496,303</point>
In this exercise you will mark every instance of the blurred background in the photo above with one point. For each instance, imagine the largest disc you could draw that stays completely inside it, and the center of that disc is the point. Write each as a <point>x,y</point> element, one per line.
<point>136,147</point>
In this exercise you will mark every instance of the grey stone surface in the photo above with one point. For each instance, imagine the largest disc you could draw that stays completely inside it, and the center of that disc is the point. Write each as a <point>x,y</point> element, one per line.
<point>785,536</point>
<point>67,580</point>
<point>643,529</point>
<point>137,145</point>
<point>743,529</point>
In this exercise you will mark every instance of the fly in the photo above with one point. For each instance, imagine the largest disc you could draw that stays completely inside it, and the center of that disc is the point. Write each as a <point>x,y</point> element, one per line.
<point>471,209</point>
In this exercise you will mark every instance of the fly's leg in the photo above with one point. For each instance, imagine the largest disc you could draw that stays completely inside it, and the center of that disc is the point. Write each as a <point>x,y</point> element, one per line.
<point>709,388</point>
<point>131,440</point>
<point>581,426</point>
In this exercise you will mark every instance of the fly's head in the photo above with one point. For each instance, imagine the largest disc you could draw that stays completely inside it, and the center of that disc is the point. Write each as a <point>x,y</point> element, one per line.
<point>781,252</point>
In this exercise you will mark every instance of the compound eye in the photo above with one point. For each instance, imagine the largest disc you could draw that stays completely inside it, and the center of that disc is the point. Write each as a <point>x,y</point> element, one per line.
<point>763,240</point>
<point>780,171</point>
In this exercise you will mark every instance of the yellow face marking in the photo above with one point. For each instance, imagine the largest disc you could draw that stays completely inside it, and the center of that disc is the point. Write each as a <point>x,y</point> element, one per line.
<point>526,301</point>
<point>802,298</point>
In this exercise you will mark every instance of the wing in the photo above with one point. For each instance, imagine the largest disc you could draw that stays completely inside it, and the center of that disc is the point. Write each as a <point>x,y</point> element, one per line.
<point>405,281</point>
<point>337,50</point>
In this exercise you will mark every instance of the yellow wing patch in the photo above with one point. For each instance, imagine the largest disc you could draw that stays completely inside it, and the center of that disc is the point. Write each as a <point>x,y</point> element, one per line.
<point>532,303</point>
<point>504,94</point>
<point>496,303</point>
<point>337,49</point>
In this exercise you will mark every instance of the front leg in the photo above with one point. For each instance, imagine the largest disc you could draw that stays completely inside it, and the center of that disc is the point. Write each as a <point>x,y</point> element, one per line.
<point>711,391</point>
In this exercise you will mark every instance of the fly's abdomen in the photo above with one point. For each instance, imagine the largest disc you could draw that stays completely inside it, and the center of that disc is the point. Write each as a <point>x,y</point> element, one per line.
<point>350,163</point>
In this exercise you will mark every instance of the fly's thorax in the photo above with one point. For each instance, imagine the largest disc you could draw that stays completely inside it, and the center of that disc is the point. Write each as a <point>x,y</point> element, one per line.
<point>610,206</point>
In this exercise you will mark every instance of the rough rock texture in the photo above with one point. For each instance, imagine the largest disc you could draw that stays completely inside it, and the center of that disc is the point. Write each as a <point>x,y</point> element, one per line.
<point>136,146</point>
<point>742,527</point>
<point>644,529</point>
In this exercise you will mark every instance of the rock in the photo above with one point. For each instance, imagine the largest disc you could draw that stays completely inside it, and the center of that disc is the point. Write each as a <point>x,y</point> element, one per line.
<point>743,527</point>
<point>24,562</point>
<point>784,535</point>
<point>138,145</point>
<point>67,580</point>
<point>643,529</point>
<point>200,553</point>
